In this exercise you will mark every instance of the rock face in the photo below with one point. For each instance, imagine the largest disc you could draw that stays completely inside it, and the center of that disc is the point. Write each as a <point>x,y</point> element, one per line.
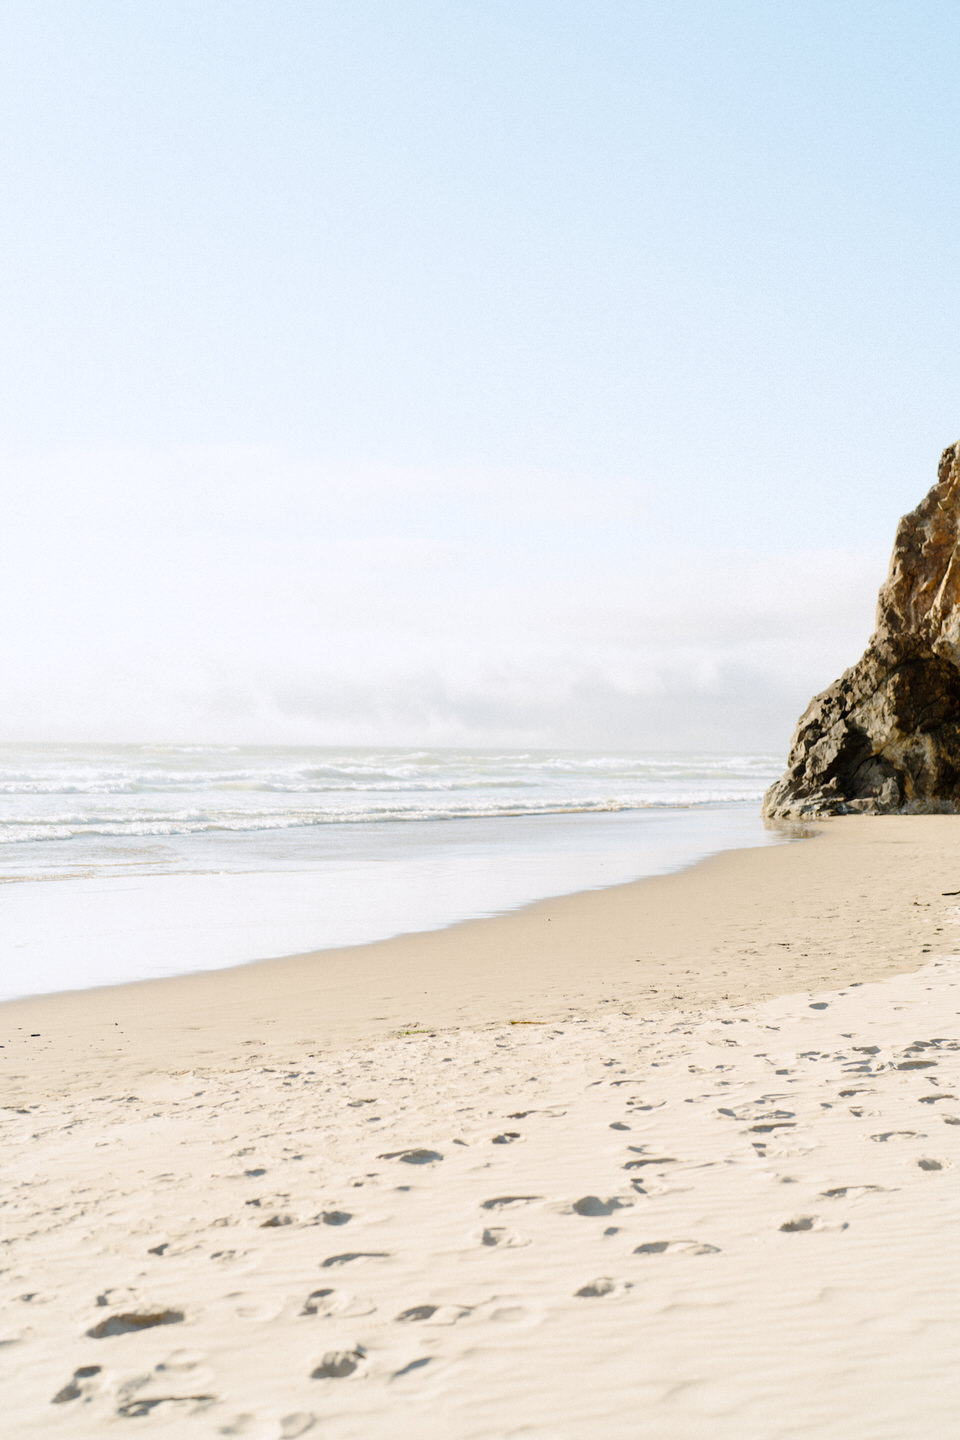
<point>885,737</point>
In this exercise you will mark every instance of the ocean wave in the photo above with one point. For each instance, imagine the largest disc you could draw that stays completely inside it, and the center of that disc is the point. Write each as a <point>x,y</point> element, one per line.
<point>35,829</point>
<point>487,773</point>
<point>99,794</point>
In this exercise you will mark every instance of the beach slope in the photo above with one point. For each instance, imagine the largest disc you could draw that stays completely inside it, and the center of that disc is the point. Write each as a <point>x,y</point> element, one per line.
<point>672,1159</point>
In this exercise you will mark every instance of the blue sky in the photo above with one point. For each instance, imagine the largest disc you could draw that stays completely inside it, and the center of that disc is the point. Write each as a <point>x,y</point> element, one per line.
<point>533,372</point>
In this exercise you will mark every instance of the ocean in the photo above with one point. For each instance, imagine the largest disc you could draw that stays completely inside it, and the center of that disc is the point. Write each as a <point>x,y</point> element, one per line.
<point>124,862</point>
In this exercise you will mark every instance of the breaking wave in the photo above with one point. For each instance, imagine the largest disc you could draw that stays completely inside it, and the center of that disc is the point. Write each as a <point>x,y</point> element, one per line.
<point>71,793</point>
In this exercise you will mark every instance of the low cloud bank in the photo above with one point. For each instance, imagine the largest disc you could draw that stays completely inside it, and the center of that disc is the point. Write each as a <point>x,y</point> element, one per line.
<point>238,597</point>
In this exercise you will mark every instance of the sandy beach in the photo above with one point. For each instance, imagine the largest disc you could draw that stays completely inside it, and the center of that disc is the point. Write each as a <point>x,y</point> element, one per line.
<point>666,1160</point>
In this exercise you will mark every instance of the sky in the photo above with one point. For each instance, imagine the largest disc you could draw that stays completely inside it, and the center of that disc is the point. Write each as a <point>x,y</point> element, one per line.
<point>531,372</point>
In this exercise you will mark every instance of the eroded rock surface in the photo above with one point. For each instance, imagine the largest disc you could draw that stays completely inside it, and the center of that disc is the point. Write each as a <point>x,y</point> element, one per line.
<point>885,737</point>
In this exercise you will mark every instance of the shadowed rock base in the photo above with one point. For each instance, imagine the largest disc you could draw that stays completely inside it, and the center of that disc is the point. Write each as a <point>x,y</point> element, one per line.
<point>885,737</point>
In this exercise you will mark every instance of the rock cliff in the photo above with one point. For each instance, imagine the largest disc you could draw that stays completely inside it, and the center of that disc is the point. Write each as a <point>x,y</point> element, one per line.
<point>885,737</point>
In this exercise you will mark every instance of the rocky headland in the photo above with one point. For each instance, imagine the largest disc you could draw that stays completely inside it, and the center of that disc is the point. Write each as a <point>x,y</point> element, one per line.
<point>885,737</point>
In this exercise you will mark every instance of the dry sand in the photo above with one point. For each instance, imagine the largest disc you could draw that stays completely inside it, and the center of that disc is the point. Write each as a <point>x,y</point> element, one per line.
<point>704,1190</point>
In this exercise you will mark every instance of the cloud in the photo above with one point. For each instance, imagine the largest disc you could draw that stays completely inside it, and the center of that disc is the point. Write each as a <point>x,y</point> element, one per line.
<point>250,596</point>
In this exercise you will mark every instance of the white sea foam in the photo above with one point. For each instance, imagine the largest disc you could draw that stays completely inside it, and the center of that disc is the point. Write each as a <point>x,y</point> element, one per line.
<point>59,792</point>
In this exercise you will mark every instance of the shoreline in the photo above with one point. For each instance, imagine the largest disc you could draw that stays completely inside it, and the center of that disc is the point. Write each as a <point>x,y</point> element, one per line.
<point>740,926</point>
<point>238,899</point>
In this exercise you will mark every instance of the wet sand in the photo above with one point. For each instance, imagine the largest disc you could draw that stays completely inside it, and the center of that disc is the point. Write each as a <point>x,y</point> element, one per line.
<point>855,902</point>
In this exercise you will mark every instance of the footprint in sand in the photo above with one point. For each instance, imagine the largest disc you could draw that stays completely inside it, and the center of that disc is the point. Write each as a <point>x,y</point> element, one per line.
<point>593,1205</point>
<point>595,1288</point>
<point>433,1314</point>
<point>336,1302</point>
<point>241,1424</point>
<point>801,1223</point>
<point>849,1192</point>
<point>144,1405</point>
<point>411,1367</point>
<point>504,1310</point>
<point>416,1312</point>
<point>293,1426</point>
<point>603,1286</point>
<point>77,1386</point>
<point>413,1157</point>
<point>506,1138</point>
<point>132,1320</point>
<point>508,1202</point>
<point>676,1247</point>
<point>349,1256</point>
<point>338,1364</point>
<point>499,1235</point>
<point>319,1302</point>
<point>886,1135</point>
<point>926,1164</point>
<point>648,1160</point>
